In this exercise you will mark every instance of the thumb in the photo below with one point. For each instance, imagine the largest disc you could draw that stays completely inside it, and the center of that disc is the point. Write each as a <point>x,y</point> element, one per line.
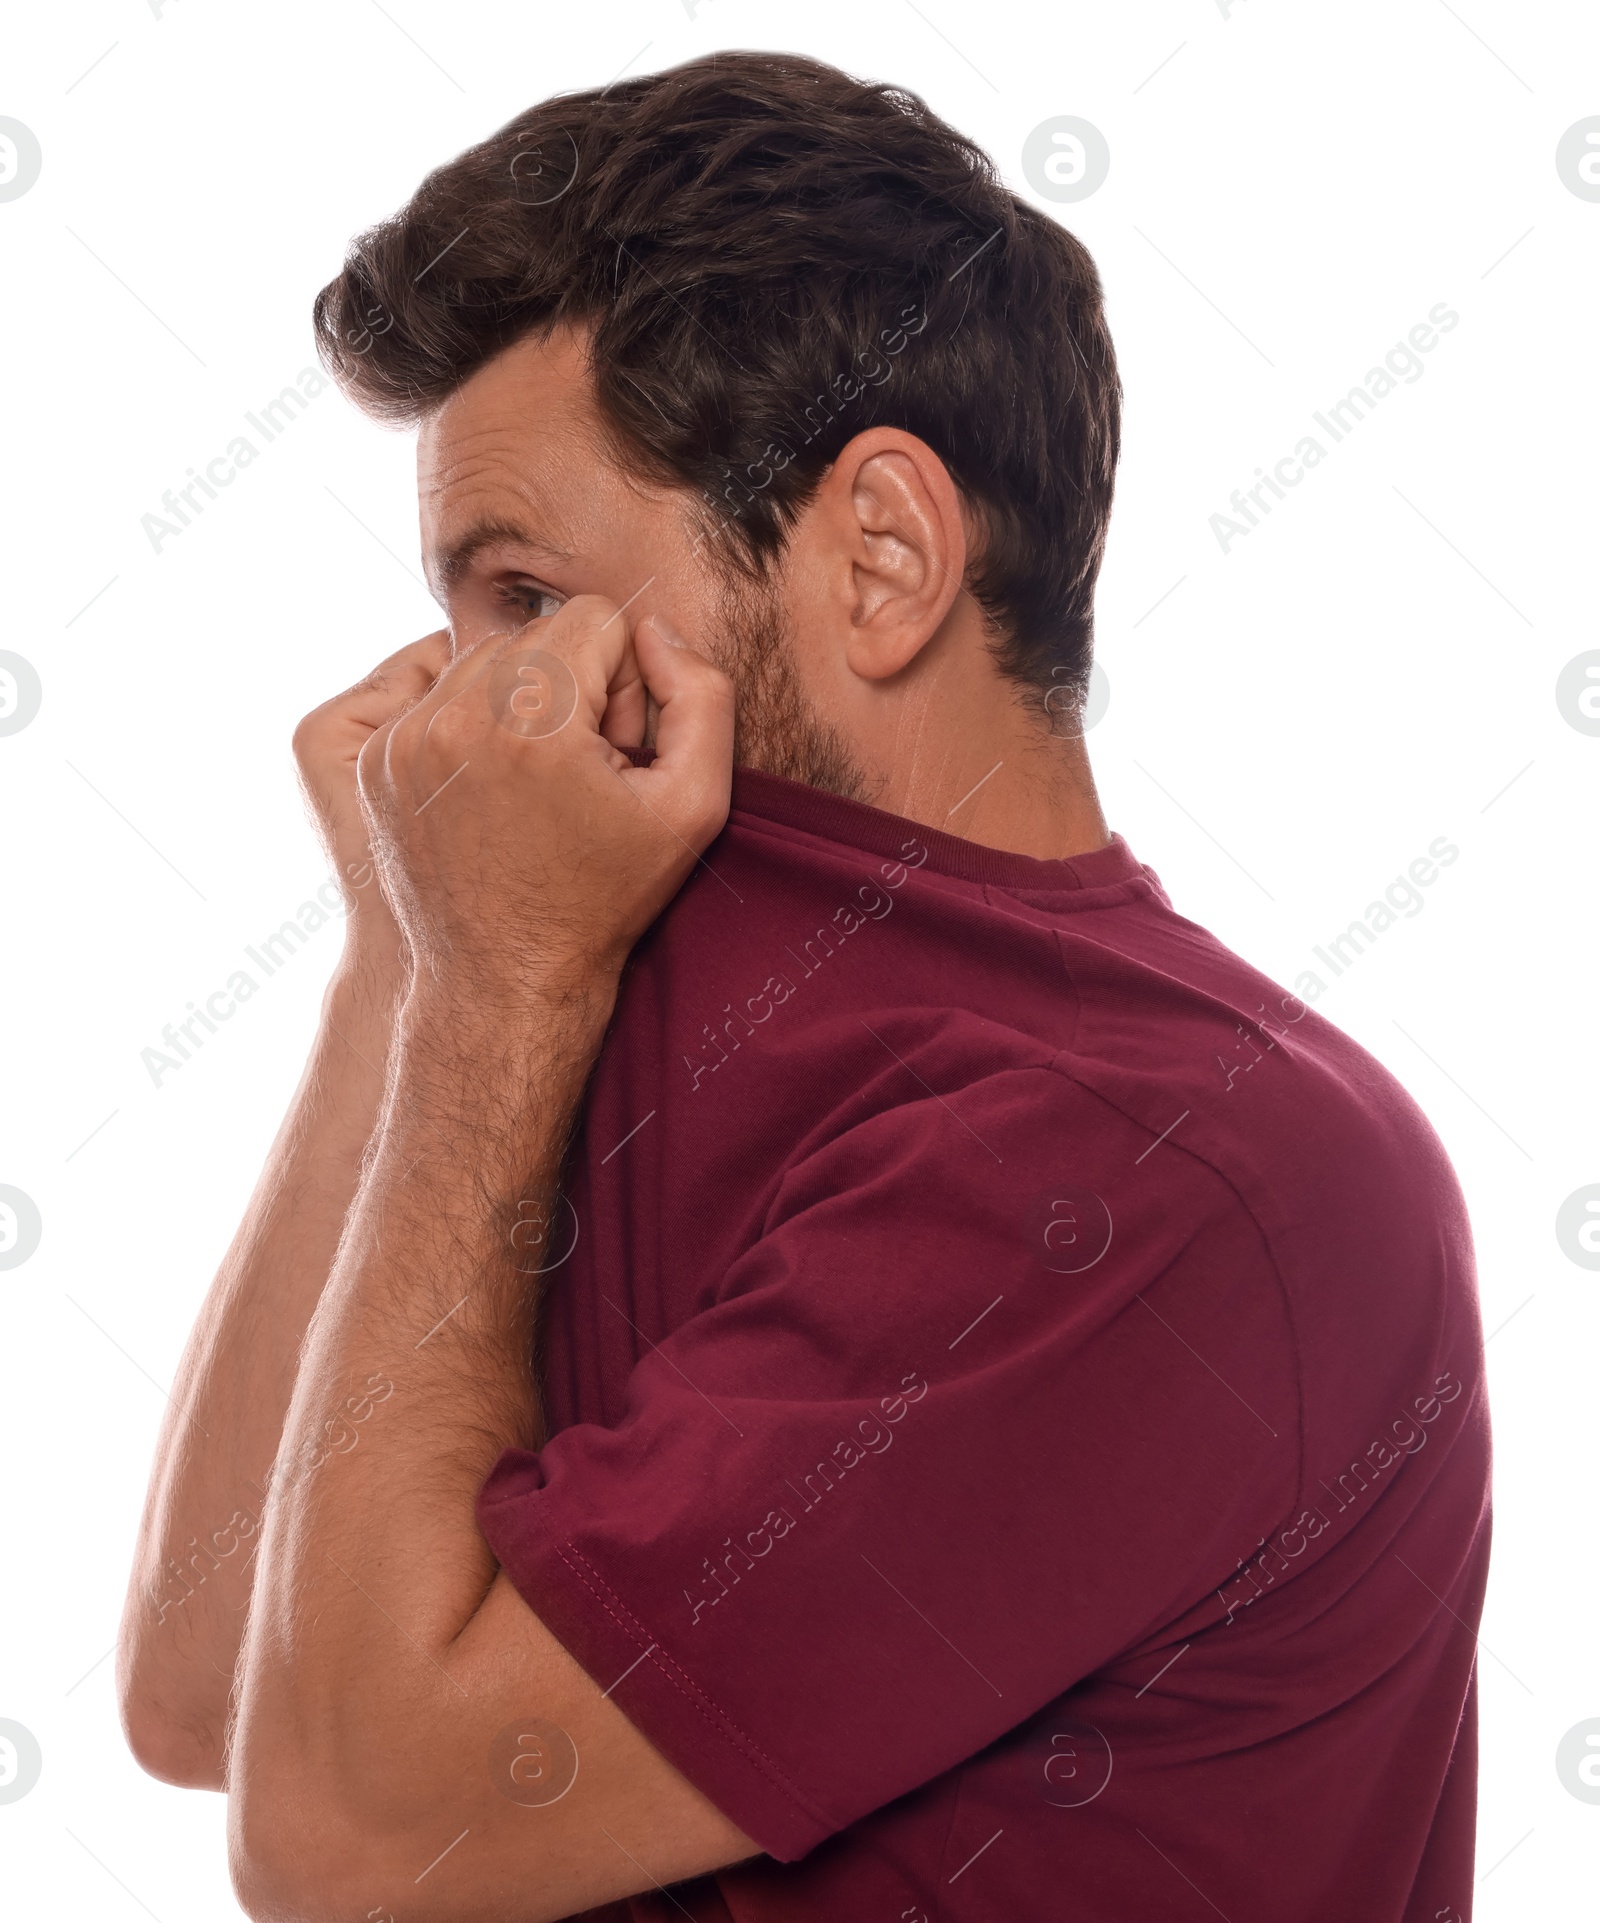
<point>689,781</point>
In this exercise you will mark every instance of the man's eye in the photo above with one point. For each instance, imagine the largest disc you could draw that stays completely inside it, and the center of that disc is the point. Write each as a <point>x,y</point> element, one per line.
<point>532,602</point>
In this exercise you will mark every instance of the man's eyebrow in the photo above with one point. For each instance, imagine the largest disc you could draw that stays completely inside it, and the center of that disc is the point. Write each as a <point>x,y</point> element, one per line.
<point>450,565</point>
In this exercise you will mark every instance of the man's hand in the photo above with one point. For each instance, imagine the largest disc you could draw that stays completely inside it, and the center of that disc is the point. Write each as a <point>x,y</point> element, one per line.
<point>327,746</point>
<point>519,846</point>
<point>524,854</point>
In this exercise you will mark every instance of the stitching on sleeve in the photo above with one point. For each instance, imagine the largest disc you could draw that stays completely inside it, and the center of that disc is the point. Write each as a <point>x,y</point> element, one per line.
<point>685,1684</point>
<point>1063,1067</point>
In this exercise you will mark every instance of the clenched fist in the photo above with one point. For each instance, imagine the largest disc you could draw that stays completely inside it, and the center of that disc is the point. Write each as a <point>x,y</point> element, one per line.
<point>520,849</point>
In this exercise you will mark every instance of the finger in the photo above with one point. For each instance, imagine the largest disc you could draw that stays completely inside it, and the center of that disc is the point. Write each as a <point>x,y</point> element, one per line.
<point>627,703</point>
<point>370,764</point>
<point>466,666</point>
<point>587,635</point>
<point>399,680</point>
<point>460,671</point>
<point>432,653</point>
<point>691,775</point>
<point>393,688</point>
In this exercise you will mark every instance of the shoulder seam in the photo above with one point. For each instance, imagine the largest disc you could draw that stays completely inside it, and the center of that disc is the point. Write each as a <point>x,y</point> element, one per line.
<point>1059,1065</point>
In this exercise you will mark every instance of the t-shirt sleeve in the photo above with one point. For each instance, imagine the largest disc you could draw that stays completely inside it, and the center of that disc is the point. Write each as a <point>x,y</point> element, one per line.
<point>1000,1391</point>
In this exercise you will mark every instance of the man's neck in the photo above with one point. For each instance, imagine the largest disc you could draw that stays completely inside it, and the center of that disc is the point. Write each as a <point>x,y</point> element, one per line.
<point>1009,784</point>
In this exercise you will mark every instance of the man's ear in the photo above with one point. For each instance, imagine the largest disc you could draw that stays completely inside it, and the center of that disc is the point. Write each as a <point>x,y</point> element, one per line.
<point>896,516</point>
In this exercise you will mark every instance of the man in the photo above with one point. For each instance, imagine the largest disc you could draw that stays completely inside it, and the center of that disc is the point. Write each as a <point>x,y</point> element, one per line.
<point>833,1354</point>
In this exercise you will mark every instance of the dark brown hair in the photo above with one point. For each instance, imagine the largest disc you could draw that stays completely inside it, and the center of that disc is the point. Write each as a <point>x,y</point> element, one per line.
<point>769,257</point>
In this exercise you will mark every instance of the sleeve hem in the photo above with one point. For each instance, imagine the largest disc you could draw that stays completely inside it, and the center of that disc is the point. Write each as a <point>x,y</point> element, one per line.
<point>563,1587</point>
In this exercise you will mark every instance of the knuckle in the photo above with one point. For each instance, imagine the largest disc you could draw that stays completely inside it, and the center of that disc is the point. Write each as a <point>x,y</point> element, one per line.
<point>705,810</point>
<point>416,654</point>
<point>306,741</point>
<point>715,700</point>
<point>370,759</point>
<point>452,727</point>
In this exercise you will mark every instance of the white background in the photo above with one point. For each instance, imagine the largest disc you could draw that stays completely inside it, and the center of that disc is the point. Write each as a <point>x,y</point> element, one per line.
<point>1292,188</point>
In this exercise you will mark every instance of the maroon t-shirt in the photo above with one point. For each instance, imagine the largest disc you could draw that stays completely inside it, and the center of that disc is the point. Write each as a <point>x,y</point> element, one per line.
<point>1017,1429</point>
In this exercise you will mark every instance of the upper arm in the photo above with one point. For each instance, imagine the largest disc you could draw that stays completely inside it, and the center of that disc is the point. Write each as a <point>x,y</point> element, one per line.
<point>915,1471</point>
<point>500,1780</point>
<point>993,1396</point>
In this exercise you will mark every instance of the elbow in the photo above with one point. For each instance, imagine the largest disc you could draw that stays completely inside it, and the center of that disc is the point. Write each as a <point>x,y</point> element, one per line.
<point>187,1754</point>
<point>311,1852</point>
<point>173,1722</point>
<point>317,1834</point>
<point>293,1860</point>
<point>187,1759</point>
<point>302,1843</point>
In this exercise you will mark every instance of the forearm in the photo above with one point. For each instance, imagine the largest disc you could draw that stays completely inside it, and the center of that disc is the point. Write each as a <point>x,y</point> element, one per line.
<point>372,1566</point>
<point>194,1562</point>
